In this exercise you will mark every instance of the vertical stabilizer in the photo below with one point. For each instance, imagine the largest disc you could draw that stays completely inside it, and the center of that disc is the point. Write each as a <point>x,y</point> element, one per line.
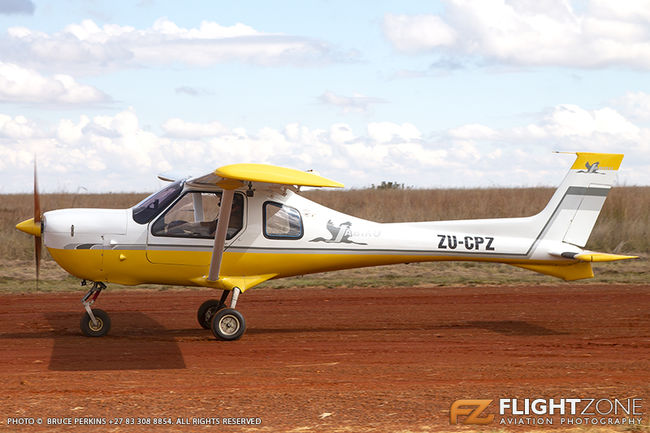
<point>573,210</point>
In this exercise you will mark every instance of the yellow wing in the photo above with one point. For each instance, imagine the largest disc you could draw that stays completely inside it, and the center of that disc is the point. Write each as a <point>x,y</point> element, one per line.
<point>232,176</point>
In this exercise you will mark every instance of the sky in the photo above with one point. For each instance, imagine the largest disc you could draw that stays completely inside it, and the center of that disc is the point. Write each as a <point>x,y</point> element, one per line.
<point>446,93</point>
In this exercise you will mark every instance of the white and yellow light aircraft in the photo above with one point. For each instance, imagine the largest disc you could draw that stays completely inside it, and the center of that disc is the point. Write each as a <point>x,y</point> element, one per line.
<point>243,224</point>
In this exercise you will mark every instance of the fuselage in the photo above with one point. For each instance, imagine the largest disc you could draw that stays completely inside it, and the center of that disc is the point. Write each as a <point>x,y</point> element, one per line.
<point>277,233</point>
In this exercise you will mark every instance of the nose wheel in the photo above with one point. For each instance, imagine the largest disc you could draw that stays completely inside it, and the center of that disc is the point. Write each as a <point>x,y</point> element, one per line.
<point>94,323</point>
<point>99,327</point>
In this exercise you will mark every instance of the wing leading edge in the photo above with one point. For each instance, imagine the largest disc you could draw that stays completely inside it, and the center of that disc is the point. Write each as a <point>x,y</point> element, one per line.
<point>236,175</point>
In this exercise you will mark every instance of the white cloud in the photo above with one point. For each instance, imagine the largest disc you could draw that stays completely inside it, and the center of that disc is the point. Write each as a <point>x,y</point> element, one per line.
<point>387,132</point>
<point>89,47</point>
<point>414,33</point>
<point>17,127</point>
<point>633,10</point>
<point>571,120</point>
<point>530,33</point>
<point>179,128</point>
<point>69,132</point>
<point>472,131</point>
<point>355,103</point>
<point>18,84</point>
<point>636,105</point>
<point>114,153</point>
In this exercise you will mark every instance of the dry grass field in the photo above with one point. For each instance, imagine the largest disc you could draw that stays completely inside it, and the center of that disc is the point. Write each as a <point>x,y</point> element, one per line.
<point>623,227</point>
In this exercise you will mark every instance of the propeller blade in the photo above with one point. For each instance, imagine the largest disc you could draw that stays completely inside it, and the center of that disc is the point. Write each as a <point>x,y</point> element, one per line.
<point>37,200</point>
<point>38,246</point>
<point>38,241</point>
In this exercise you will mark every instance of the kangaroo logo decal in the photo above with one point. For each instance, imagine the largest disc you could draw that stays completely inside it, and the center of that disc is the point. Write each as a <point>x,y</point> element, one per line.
<point>591,168</point>
<point>340,234</point>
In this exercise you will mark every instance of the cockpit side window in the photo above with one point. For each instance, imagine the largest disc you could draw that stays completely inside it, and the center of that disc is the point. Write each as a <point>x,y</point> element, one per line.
<point>151,206</point>
<point>195,215</point>
<point>281,222</point>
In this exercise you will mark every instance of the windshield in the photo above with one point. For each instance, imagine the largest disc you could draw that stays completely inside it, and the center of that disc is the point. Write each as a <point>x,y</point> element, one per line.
<point>196,215</point>
<point>151,206</point>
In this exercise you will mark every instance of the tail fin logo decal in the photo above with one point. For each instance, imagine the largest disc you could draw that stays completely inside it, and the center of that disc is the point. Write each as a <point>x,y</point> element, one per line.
<point>591,168</point>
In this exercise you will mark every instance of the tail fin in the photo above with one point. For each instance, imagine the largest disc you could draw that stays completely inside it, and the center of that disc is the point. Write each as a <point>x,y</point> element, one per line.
<point>573,210</point>
<point>571,214</point>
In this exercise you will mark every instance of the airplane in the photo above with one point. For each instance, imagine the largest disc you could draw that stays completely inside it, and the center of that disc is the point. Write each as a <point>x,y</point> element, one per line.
<point>244,224</point>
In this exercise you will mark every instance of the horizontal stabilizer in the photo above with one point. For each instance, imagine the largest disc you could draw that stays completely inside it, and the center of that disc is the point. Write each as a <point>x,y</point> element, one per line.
<point>596,257</point>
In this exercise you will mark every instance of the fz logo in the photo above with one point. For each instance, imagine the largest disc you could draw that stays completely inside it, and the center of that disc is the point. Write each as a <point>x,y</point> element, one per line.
<point>472,409</point>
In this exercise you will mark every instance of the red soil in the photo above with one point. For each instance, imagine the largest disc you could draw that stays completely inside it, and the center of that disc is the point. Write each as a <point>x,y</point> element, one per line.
<point>321,359</point>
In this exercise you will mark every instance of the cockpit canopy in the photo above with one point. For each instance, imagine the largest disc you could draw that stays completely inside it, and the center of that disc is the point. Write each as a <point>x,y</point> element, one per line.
<point>153,205</point>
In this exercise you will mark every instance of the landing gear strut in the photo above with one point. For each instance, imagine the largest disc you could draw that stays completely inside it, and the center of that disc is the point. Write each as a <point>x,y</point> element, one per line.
<point>226,323</point>
<point>209,308</point>
<point>94,323</point>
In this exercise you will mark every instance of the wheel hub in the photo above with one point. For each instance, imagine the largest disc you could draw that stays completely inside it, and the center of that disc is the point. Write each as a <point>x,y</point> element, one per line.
<point>229,325</point>
<point>98,327</point>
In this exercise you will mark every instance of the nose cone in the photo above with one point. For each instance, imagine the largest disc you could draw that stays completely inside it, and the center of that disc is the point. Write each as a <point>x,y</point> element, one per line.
<point>30,227</point>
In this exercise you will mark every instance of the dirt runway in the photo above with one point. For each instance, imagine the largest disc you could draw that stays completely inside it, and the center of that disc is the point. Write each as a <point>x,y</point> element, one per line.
<point>319,359</point>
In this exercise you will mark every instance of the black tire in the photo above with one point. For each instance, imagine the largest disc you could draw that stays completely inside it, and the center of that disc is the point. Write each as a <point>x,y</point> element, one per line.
<point>228,324</point>
<point>103,324</point>
<point>206,311</point>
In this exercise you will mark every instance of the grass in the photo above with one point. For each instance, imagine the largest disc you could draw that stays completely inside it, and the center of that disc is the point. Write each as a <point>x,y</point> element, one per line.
<point>623,224</point>
<point>15,208</point>
<point>623,227</point>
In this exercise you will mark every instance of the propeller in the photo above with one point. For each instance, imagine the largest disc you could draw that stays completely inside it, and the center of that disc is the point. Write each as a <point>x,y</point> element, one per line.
<point>34,226</point>
<point>38,240</point>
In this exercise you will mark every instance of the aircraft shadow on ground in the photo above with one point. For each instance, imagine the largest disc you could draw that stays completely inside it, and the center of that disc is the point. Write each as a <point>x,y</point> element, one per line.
<point>505,327</point>
<point>512,327</point>
<point>129,345</point>
<point>138,342</point>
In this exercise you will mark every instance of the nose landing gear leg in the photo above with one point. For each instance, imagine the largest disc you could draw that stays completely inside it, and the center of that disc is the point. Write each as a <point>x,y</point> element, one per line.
<point>94,323</point>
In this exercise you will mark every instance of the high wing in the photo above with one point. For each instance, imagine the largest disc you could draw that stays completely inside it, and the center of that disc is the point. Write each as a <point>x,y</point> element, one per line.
<point>232,177</point>
<point>238,175</point>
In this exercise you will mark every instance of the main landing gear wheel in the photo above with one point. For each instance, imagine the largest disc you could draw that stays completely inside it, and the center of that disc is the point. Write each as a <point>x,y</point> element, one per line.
<point>228,324</point>
<point>207,310</point>
<point>100,327</point>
